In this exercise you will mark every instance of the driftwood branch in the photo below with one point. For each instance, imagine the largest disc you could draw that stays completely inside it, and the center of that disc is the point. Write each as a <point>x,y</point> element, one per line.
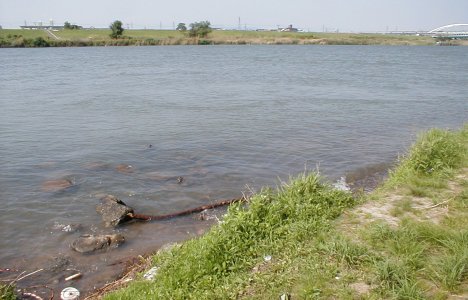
<point>185,212</point>
<point>437,205</point>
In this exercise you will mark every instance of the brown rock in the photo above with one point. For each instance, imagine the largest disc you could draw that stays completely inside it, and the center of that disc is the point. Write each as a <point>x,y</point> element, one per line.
<point>56,185</point>
<point>90,243</point>
<point>123,168</point>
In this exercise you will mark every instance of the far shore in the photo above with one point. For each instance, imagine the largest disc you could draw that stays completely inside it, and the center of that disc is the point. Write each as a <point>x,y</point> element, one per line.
<point>23,38</point>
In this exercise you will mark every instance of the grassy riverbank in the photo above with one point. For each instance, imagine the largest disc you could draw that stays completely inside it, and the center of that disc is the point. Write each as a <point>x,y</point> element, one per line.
<point>100,37</point>
<point>307,240</point>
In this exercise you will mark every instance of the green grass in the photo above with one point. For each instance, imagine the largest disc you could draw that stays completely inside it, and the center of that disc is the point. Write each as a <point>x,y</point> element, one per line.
<point>204,268</point>
<point>100,37</point>
<point>434,155</point>
<point>314,256</point>
<point>7,292</point>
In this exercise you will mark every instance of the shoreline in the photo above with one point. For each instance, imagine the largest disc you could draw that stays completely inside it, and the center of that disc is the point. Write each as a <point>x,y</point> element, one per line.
<point>121,269</point>
<point>397,206</point>
<point>22,38</point>
<point>132,267</point>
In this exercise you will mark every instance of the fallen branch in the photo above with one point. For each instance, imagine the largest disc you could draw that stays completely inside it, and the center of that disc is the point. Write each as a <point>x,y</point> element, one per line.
<point>438,204</point>
<point>185,212</point>
<point>18,279</point>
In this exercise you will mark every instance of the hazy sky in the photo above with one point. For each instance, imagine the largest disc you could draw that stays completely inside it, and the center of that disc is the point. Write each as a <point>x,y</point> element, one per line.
<point>314,15</point>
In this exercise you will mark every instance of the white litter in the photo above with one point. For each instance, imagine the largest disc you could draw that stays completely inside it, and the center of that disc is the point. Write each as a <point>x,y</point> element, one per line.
<point>151,273</point>
<point>70,293</point>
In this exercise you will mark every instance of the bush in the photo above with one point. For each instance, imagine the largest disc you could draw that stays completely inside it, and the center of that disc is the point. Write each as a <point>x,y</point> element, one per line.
<point>40,42</point>
<point>200,29</point>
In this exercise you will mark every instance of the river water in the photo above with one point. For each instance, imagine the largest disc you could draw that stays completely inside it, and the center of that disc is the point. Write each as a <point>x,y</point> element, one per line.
<point>228,119</point>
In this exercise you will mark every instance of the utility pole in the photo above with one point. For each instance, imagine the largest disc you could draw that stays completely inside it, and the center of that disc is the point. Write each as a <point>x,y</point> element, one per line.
<point>239,25</point>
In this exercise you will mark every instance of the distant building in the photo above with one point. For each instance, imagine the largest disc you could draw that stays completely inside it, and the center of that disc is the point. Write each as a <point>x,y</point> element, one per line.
<point>50,26</point>
<point>35,27</point>
<point>290,28</point>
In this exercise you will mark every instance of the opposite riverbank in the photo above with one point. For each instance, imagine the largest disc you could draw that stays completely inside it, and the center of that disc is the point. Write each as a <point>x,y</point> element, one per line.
<point>405,240</point>
<point>20,38</point>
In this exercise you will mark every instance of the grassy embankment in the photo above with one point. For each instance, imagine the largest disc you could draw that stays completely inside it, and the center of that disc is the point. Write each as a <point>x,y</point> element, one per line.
<point>406,240</point>
<point>100,37</point>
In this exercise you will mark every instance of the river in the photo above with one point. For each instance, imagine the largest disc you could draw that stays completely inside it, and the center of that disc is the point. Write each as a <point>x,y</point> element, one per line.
<point>227,119</point>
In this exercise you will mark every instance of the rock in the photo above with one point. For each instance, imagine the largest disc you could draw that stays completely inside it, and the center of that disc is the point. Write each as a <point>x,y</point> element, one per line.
<point>97,166</point>
<point>123,168</point>
<point>58,264</point>
<point>90,243</point>
<point>114,211</point>
<point>56,185</point>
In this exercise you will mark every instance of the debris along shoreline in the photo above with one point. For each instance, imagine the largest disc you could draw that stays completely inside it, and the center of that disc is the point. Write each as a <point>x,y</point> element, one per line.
<point>283,230</point>
<point>43,283</point>
<point>275,246</point>
<point>114,211</point>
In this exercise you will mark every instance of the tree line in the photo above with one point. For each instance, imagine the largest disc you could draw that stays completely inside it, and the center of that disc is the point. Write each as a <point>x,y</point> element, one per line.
<point>198,29</point>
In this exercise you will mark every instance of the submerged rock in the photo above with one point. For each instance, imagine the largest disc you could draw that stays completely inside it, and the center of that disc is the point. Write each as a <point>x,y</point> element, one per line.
<point>123,168</point>
<point>114,211</point>
<point>90,243</point>
<point>56,185</point>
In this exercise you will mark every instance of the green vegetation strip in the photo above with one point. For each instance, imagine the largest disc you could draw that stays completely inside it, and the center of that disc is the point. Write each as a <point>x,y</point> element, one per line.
<point>289,242</point>
<point>101,37</point>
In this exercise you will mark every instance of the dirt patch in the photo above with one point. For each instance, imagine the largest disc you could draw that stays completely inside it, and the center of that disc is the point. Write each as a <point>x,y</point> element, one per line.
<point>361,288</point>
<point>387,207</point>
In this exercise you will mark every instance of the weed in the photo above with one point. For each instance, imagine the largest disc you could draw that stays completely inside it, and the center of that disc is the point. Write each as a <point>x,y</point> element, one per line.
<point>7,292</point>
<point>452,269</point>
<point>348,252</point>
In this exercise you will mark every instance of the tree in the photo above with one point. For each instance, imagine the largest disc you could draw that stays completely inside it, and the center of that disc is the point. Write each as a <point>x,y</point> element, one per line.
<point>200,29</point>
<point>67,25</point>
<point>117,29</point>
<point>181,27</point>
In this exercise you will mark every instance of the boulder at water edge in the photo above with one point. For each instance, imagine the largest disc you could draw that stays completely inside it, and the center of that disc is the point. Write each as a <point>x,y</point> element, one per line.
<point>90,243</point>
<point>114,211</point>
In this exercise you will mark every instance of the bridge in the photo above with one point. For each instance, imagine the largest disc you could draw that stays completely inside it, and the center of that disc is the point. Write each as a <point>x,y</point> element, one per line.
<point>452,31</point>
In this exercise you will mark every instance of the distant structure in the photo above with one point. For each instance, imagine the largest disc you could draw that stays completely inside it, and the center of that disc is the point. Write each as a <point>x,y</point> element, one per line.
<point>40,25</point>
<point>290,28</point>
<point>452,31</point>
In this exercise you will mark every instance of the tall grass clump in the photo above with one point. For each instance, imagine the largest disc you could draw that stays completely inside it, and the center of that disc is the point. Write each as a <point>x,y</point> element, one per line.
<point>199,268</point>
<point>435,154</point>
<point>7,292</point>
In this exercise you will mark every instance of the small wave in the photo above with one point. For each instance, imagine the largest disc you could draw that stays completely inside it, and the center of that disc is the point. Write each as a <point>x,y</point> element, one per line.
<point>341,184</point>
